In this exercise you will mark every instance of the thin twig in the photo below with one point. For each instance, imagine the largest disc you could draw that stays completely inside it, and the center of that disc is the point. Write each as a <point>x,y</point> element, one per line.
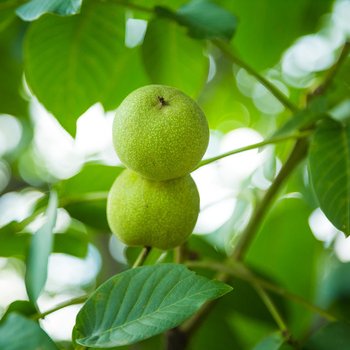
<point>276,315</point>
<point>227,51</point>
<point>272,309</point>
<point>269,141</point>
<point>142,257</point>
<point>78,300</point>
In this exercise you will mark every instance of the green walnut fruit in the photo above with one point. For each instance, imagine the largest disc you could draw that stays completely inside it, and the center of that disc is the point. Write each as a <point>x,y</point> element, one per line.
<point>143,212</point>
<point>160,132</point>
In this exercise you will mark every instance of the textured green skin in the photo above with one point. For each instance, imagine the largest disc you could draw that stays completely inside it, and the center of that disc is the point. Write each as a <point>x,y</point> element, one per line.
<point>160,141</point>
<point>142,212</point>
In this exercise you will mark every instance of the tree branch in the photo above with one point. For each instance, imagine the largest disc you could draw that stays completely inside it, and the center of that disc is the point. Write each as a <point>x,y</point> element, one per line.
<point>227,51</point>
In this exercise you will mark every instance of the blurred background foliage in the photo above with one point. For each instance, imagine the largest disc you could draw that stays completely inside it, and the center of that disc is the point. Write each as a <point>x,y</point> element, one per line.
<point>64,68</point>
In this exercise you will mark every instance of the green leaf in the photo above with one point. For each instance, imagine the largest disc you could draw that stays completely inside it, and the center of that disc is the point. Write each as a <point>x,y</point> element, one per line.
<point>329,163</point>
<point>11,71</point>
<point>143,302</point>
<point>341,112</point>
<point>22,307</point>
<point>73,242</point>
<point>33,9</point>
<point>272,342</point>
<point>201,248</point>
<point>129,74</point>
<point>335,336</point>
<point>268,27</point>
<point>69,60</point>
<point>340,85</point>
<point>18,333</point>
<point>206,20</point>
<point>172,58</point>
<point>12,243</point>
<point>84,195</point>
<point>40,249</point>
<point>93,178</point>
<point>334,289</point>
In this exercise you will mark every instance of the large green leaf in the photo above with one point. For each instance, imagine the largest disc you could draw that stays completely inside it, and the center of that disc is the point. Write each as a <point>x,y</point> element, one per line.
<point>12,243</point>
<point>268,27</point>
<point>23,307</point>
<point>334,336</point>
<point>19,333</point>
<point>334,290</point>
<point>329,162</point>
<point>172,58</point>
<point>143,302</point>
<point>93,178</point>
<point>39,251</point>
<point>69,60</point>
<point>33,9</point>
<point>340,85</point>
<point>11,71</point>
<point>85,194</point>
<point>129,74</point>
<point>73,242</point>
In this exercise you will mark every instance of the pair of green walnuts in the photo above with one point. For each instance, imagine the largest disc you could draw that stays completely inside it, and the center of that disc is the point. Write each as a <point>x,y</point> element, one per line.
<point>160,134</point>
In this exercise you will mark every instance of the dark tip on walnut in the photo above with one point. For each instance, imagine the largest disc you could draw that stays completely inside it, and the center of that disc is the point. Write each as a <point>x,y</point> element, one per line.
<point>162,101</point>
